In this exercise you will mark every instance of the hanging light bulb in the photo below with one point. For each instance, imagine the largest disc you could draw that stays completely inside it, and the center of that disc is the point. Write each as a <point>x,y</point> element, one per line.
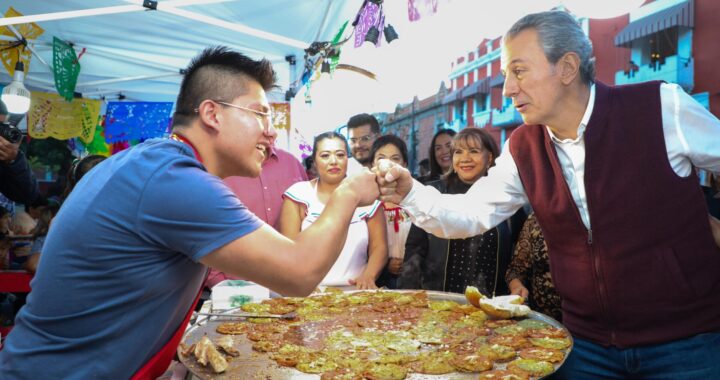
<point>372,35</point>
<point>15,96</point>
<point>390,33</point>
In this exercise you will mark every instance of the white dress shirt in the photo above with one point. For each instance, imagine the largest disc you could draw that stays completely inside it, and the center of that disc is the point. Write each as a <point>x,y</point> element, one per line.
<point>692,138</point>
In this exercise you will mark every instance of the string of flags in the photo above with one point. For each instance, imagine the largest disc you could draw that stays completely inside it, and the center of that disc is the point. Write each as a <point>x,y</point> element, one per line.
<point>65,115</point>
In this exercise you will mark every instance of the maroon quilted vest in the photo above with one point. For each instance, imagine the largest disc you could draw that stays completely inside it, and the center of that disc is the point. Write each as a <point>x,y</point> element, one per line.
<point>648,271</point>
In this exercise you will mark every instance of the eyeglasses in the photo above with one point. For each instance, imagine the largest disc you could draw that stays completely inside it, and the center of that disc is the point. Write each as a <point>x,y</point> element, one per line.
<point>264,118</point>
<point>364,139</point>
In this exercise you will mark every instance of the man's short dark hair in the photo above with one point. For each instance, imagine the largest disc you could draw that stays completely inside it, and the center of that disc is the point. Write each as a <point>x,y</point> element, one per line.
<point>362,119</point>
<point>218,73</point>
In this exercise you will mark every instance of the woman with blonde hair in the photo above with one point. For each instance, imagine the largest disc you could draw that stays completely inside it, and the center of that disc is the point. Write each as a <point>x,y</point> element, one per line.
<point>451,265</point>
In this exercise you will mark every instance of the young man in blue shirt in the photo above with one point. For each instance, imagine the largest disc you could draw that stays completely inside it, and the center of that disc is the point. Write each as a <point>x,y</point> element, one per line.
<point>130,247</point>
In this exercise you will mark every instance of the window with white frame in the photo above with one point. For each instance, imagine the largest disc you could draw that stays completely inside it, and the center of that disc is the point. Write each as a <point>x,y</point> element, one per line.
<point>480,103</point>
<point>461,110</point>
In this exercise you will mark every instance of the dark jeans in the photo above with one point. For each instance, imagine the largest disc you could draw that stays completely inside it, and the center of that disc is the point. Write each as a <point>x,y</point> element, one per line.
<point>697,357</point>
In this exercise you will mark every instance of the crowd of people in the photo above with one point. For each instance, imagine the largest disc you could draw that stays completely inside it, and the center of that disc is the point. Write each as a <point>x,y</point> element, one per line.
<point>624,253</point>
<point>23,232</point>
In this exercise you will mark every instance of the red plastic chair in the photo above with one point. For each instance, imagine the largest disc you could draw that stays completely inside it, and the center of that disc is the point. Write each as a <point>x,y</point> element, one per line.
<point>159,363</point>
<point>13,282</point>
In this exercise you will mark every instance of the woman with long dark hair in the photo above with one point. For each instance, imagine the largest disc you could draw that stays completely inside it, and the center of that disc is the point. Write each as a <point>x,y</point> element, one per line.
<point>439,155</point>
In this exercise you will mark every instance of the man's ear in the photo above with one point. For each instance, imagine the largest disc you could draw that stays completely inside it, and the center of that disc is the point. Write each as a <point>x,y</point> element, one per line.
<point>569,65</point>
<point>209,114</point>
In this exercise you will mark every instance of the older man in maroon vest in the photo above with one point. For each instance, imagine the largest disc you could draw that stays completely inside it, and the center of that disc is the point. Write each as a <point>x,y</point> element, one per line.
<point>609,173</point>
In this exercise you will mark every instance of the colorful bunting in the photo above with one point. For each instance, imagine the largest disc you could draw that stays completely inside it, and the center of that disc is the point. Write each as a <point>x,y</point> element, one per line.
<point>420,8</point>
<point>335,58</point>
<point>98,144</point>
<point>281,115</point>
<point>52,116</point>
<point>119,146</point>
<point>300,144</point>
<point>127,121</point>
<point>10,56</point>
<point>65,68</point>
<point>369,16</point>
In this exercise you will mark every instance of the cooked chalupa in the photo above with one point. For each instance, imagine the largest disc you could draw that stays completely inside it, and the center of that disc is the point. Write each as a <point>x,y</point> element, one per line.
<point>226,343</point>
<point>205,352</point>
<point>498,307</point>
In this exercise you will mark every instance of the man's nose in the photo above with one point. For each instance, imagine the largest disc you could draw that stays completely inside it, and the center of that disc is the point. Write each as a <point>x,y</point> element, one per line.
<point>271,133</point>
<point>510,88</point>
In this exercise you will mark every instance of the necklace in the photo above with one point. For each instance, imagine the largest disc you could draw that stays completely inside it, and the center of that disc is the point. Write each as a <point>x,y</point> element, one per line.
<point>184,140</point>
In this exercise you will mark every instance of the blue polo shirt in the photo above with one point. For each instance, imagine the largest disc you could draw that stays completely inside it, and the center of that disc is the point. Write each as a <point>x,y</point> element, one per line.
<point>119,269</point>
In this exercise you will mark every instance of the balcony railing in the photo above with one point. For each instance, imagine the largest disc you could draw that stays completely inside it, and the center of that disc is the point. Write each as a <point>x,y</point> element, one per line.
<point>674,70</point>
<point>507,116</point>
<point>480,119</point>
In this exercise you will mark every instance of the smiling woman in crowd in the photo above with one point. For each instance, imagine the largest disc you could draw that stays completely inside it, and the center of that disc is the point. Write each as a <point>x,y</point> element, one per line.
<point>450,265</point>
<point>440,154</point>
<point>365,252</point>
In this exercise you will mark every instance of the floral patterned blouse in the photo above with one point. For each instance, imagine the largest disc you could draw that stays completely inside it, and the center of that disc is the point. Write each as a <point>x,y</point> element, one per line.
<point>530,265</point>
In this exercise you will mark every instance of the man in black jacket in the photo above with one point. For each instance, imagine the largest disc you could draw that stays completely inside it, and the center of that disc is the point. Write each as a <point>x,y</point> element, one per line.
<point>17,181</point>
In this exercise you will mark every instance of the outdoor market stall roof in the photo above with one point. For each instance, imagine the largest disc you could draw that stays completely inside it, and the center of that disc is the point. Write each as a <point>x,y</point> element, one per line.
<point>138,52</point>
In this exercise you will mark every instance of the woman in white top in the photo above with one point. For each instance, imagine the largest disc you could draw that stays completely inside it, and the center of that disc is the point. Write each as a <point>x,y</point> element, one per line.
<point>365,252</point>
<point>397,220</point>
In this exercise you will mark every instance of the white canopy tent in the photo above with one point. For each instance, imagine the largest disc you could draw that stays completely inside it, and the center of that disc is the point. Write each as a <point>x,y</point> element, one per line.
<point>138,52</point>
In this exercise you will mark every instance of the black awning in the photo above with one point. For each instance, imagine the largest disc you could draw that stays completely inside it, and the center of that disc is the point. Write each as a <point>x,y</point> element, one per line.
<point>478,87</point>
<point>452,96</point>
<point>678,15</point>
<point>497,81</point>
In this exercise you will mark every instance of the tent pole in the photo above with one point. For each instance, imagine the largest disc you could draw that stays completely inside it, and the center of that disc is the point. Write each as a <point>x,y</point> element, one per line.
<point>126,58</point>
<point>32,50</point>
<point>98,52</point>
<point>137,6</point>
<point>324,20</point>
<point>127,79</point>
<point>100,92</point>
<point>69,14</point>
<point>237,27</point>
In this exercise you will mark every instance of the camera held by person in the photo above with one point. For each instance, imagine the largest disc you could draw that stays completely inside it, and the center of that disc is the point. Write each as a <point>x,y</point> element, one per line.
<point>10,133</point>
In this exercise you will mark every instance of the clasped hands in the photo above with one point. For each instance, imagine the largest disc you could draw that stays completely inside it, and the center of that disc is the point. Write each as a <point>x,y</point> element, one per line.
<point>387,181</point>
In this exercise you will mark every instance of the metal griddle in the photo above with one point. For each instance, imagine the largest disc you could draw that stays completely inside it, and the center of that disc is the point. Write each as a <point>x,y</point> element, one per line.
<point>251,365</point>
